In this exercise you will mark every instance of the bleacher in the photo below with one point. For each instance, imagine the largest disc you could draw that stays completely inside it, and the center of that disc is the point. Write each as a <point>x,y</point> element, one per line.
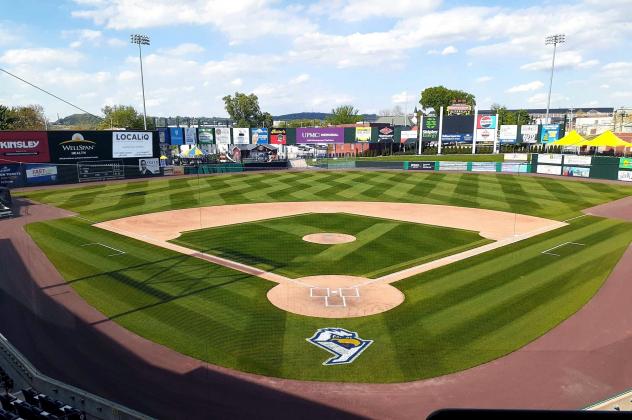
<point>28,404</point>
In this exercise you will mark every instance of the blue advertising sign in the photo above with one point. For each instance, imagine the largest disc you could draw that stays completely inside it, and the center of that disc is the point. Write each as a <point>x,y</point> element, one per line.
<point>38,174</point>
<point>549,133</point>
<point>176,135</point>
<point>259,135</point>
<point>10,175</point>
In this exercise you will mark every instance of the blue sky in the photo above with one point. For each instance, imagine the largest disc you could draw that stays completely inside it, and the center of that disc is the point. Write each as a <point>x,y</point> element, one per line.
<point>313,55</point>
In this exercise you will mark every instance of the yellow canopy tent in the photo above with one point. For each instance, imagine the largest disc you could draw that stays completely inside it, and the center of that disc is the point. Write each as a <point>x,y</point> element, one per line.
<point>607,139</point>
<point>571,139</point>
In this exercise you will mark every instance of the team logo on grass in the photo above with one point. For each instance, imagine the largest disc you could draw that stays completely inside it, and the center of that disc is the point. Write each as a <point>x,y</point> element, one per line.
<point>345,345</point>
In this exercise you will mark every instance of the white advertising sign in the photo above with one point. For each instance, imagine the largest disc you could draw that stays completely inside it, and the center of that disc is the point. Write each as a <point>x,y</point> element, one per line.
<point>483,166</point>
<point>222,135</point>
<point>549,170</point>
<point>625,176</point>
<point>409,134</point>
<point>529,133</point>
<point>241,136</point>
<point>41,171</point>
<point>131,144</point>
<point>515,167</point>
<point>190,134</point>
<point>508,133</point>
<point>522,157</point>
<point>554,159</point>
<point>453,166</point>
<point>484,135</point>
<point>577,160</point>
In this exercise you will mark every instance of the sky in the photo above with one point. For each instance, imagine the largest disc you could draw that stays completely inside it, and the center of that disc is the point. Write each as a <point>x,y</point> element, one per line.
<point>312,55</point>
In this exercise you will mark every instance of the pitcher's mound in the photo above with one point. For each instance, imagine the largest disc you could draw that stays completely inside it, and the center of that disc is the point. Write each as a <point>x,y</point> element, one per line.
<point>329,238</point>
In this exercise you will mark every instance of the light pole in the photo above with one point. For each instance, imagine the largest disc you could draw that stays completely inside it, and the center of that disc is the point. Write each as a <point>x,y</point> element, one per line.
<point>552,39</point>
<point>141,40</point>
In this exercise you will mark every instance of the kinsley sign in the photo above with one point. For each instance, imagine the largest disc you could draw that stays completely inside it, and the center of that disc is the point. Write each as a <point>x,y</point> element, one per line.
<point>24,146</point>
<point>328,135</point>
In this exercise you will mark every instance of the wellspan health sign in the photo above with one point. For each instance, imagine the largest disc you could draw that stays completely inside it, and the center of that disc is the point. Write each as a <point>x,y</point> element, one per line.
<point>326,135</point>
<point>24,146</point>
<point>71,146</point>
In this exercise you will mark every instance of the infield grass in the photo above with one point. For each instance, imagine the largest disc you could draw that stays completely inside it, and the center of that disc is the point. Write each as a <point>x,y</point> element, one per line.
<point>382,246</point>
<point>453,317</point>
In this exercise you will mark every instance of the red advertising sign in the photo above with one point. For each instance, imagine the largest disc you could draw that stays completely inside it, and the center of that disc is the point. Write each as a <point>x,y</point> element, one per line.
<point>278,136</point>
<point>486,121</point>
<point>24,146</point>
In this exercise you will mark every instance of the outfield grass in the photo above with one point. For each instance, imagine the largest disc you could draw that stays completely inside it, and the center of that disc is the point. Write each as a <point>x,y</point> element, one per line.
<point>381,247</point>
<point>454,317</point>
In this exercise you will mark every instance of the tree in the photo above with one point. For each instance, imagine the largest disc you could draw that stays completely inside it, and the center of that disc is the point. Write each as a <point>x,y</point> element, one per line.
<point>439,96</point>
<point>123,116</point>
<point>506,117</point>
<point>245,112</point>
<point>395,111</point>
<point>7,118</point>
<point>344,114</point>
<point>30,117</point>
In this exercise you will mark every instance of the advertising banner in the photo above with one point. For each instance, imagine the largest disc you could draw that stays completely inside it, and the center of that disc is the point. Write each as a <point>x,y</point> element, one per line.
<point>549,158</point>
<point>550,133</point>
<point>279,136</point>
<point>430,129</point>
<point>149,167</point>
<point>385,134</point>
<point>515,167</point>
<point>408,136</point>
<point>421,166</point>
<point>222,135</point>
<point>37,174</point>
<point>508,133</point>
<point>529,134</point>
<point>483,166</point>
<point>577,160</point>
<point>363,134</point>
<point>162,135</point>
<point>24,146</point>
<point>73,146</point>
<point>10,175</point>
<point>517,156</point>
<point>132,144</point>
<point>259,135</point>
<point>102,170</point>
<point>625,176</point>
<point>458,128</point>
<point>241,135</point>
<point>486,121</point>
<point>452,166</point>
<point>206,135</point>
<point>177,136</point>
<point>549,169</point>
<point>311,135</point>
<point>190,135</point>
<point>576,171</point>
<point>625,163</point>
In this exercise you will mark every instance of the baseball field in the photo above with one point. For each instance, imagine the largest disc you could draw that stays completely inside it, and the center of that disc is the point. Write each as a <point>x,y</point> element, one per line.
<point>455,316</point>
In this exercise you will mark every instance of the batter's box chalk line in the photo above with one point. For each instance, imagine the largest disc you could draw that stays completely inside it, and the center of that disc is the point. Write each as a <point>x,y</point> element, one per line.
<point>333,295</point>
<point>118,251</point>
<point>548,251</point>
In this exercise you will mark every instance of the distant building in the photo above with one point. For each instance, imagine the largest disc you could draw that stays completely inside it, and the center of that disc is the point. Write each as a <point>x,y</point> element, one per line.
<point>395,120</point>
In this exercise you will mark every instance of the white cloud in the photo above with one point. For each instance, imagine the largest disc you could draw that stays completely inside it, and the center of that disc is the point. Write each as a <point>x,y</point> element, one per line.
<point>539,99</point>
<point>184,49</point>
<point>526,87</point>
<point>605,86</point>
<point>358,10</point>
<point>301,78</point>
<point>49,56</point>
<point>484,79</point>
<point>233,18</point>
<point>565,59</point>
<point>237,82</point>
<point>115,42</point>
<point>401,98</point>
<point>449,50</point>
<point>618,69</point>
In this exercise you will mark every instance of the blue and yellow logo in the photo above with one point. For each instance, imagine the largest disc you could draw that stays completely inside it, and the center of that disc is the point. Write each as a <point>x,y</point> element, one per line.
<point>345,345</point>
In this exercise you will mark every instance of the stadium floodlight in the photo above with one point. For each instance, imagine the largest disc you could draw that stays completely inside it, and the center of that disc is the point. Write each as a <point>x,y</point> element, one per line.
<point>141,40</point>
<point>554,40</point>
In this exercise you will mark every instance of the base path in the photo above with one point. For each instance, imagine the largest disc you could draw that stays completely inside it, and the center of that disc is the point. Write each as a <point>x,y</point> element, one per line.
<point>619,209</point>
<point>337,296</point>
<point>583,360</point>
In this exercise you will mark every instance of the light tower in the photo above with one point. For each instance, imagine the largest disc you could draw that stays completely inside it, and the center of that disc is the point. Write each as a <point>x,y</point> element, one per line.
<point>552,39</point>
<point>141,40</point>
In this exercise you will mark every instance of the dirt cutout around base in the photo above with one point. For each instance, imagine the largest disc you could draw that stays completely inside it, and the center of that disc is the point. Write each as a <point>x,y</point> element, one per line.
<point>329,238</point>
<point>333,296</point>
